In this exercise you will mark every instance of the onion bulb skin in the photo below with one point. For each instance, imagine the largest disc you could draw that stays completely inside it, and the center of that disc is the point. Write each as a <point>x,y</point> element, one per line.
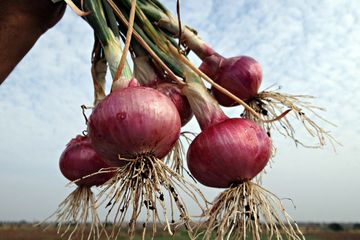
<point>79,160</point>
<point>230,152</point>
<point>240,75</point>
<point>134,121</point>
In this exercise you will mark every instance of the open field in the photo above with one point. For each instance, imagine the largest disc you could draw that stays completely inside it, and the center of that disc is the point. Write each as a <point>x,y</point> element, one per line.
<point>25,231</point>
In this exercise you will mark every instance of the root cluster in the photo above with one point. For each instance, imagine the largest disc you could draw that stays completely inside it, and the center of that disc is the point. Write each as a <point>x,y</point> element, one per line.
<point>272,104</point>
<point>248,209</point>
<point>73,213</point>
<point>148,183</point>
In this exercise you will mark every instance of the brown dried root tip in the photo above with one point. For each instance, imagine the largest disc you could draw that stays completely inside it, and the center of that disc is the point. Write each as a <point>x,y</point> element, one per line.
<point>248,209</point>
<point>76,9</point>
<point>270,104</point>
<point>73,213</point>
<point>175,159</point>
<point>143,185</point>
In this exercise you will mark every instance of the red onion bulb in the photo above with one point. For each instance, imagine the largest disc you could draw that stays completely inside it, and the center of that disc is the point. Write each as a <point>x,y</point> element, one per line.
<point>230,152</point>
<point>134,121</point>
<point>79,159</point>
<point>240,75</point>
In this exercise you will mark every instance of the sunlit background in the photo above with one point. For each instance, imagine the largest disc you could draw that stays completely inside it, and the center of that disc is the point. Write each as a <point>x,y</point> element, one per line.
<point>306,47</point>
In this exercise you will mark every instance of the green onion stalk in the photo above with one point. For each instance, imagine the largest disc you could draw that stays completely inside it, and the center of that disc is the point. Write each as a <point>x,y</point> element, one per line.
<point>158,43</point>
<point>108,36</point>
<point>163,19</point>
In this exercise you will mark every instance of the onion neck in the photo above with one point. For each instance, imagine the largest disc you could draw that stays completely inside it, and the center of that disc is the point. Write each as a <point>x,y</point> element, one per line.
<point>211,65</point>
<point>196,44</point>
<point>206,109</point>
<point>144,69</point>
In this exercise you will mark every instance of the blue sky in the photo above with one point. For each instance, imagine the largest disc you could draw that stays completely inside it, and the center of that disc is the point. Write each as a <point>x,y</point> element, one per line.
<point>307,47</point>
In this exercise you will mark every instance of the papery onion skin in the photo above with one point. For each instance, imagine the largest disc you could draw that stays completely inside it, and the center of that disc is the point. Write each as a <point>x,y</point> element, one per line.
<point>240,75</point>
<point>134,121</point>
<point>79,160</point>
<point>180,101</point>
<point>230,152</point>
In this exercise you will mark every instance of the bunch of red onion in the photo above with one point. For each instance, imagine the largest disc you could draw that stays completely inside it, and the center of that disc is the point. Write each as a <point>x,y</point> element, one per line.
<point>133,129</point>
<point>138,124</point>
<point>80,164</point>
<point>228,153</point>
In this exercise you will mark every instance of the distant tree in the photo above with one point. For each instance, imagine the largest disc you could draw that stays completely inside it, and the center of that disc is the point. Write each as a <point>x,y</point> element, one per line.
<point>335,227</point>
<point>356,226</point>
